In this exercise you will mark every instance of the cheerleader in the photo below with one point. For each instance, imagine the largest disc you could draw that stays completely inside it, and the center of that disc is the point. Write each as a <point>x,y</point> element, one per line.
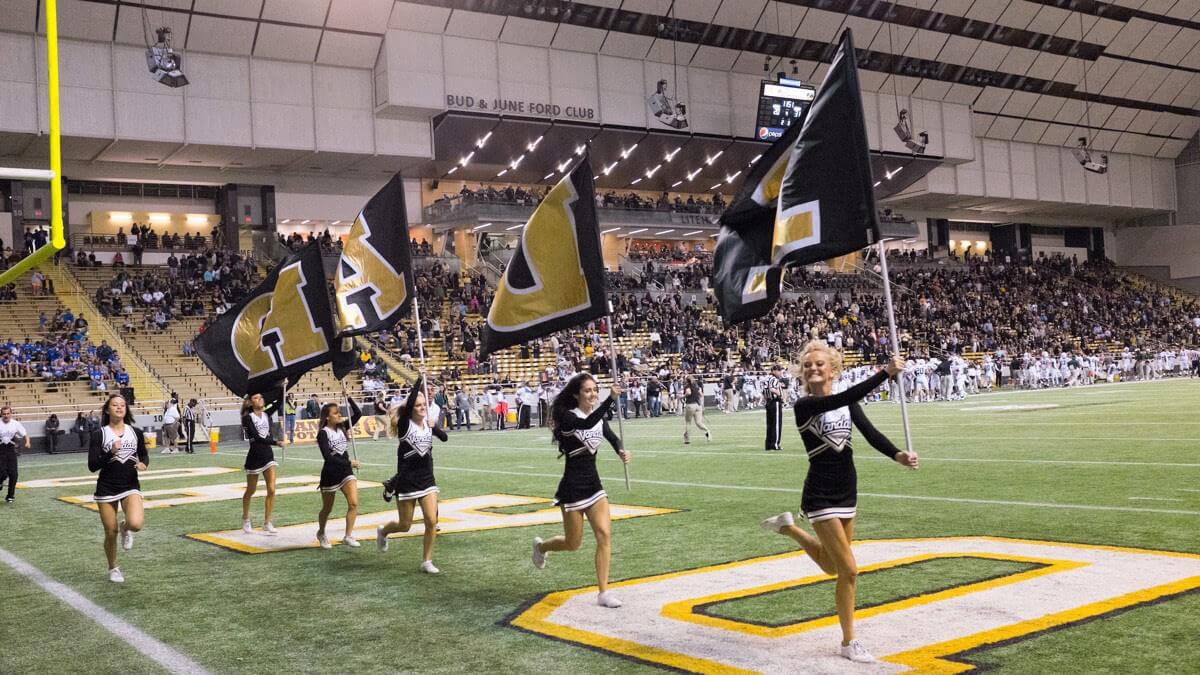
<point>414,483</point>
<point>338,471</point>
<point>578,426</point>
<point>830,489</point>
<point>256,423</point>
<point>118,451</point>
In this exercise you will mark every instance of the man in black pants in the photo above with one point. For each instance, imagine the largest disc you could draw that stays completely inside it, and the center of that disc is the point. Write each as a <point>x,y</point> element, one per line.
<point>190,414</point>
<point>776,384</point>
<point>11,433</point>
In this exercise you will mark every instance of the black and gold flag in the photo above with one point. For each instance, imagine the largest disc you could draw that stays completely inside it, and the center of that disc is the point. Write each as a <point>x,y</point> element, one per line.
<point>281,331</point>
<point>555,279</point>
<point>374,281</point>
<point>826,205</point>
<point>745,282</point>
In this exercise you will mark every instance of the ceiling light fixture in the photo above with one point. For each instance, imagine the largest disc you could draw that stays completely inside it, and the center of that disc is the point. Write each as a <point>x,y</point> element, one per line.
<point>533,146</point>
<point>452,170</point>
<point>285,221</point>
<point>480,143</point>
<point>708,161</point>
<point>715,186</point>
<point>664,231</point>
<point>547,176</point>
<point>671,155</point>
<point>480,227</point>
<point>611,229</point>
<point>651,172</point>
<point>502,172</point>
<point>688,234</point>
<point>877,183</point>
<point>639,231</point>
<point>676,183</point>
<point>510,229</point>
<point>636,181</point>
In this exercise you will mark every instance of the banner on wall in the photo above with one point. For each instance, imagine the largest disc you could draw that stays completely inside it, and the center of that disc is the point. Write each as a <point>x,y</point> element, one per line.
<point>368,427</point>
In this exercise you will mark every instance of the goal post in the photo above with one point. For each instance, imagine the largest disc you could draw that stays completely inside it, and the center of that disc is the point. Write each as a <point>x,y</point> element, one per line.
<point>54,174</point>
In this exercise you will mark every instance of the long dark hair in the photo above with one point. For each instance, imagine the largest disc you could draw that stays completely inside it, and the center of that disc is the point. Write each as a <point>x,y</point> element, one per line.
<point>105,420</point>
<point>566,401</point>
<point>325,410</point>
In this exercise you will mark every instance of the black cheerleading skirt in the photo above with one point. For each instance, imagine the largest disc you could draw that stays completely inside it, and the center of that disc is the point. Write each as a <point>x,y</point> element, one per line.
<point>415,478</point>
<point>260,458</point>
<point>829,495</point>
<point>116,482</point>
<point>334,476</point>
<point>579,488</point>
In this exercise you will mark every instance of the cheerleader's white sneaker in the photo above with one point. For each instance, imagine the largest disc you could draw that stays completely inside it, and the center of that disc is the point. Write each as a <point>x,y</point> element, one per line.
<point>856,652</point>
<point>324,541</point>
<point>269,528</point>
<point>777,523</point>
<point>126,538</point>
<point>115,576</point>
<point>539,556</point>
<point>351,542</point>
<point>606,599</point>
<point>381,539</point>
<point>428,568</point>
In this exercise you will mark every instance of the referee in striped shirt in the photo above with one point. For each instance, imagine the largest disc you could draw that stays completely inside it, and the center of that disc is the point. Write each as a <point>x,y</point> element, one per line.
<point>776,385</point>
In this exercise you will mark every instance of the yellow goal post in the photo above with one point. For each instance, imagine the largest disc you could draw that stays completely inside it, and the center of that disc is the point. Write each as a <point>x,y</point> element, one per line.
<point>54,174</point>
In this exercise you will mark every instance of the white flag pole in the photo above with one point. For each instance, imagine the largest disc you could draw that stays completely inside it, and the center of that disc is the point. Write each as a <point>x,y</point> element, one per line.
<point>891,316</point>
<point>612,348</point>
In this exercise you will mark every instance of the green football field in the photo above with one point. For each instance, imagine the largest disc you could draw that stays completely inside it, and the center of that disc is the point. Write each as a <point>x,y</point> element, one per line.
<point>1114,466</point>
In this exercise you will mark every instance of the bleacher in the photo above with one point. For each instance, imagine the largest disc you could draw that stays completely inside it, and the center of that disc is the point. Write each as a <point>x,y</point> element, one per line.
<point>163,351</point>
<point>32,397</point>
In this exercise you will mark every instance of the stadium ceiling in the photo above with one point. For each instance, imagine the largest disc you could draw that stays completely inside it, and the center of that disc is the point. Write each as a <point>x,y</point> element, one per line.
<point>621,157</point>
<point>1020,64</point>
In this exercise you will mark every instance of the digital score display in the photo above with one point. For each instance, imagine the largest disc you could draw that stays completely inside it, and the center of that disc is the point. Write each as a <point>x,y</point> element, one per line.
<point>780,105</point>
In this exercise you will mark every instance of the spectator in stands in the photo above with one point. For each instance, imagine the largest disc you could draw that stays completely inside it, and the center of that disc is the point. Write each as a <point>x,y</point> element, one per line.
<point>53,431</point>
<point>81,428</point>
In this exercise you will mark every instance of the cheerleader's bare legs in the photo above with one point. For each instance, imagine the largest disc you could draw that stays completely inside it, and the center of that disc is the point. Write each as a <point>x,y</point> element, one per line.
<point>572,537</point>
<point>269,500</point>
<point>132,505</point>
<point>405,509</point>
<point>350,490</point>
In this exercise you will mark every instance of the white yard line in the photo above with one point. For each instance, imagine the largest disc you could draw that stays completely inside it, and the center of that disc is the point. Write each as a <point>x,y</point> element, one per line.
<point>1155,499</point>
<point>171,660</point>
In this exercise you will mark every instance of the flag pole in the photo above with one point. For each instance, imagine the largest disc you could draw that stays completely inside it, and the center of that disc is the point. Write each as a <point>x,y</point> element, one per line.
<point>612,348</point>
<point>421,351</point>
<point>283,440</point>
<point>891,316</point>
<point>350,416</point>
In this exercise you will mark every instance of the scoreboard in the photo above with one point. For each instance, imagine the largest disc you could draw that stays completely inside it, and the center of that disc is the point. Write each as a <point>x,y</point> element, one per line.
<point>781,104</point>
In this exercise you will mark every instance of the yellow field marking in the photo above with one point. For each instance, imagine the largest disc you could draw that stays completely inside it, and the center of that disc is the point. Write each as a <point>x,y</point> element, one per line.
<point>934,658</point>
<point>685,609</point>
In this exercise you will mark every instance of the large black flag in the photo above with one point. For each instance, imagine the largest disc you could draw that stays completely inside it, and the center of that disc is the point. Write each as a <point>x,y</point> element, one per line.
<point>826,203</point>
<point>281,331</point>
<point>745,282</point>
<point>374,280</point>
<point>556,277</point>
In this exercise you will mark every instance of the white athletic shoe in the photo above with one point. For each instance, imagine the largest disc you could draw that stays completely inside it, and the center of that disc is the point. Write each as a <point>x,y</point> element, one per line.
<point>115,576</point>
<point>539,556</point>
<point>269,528</point>
<point>606,599</point>
<point>247,527</point>
<point>126,538</point>
<point>381,539</point>
<point>164,451</point>
<point>777,523</point>
<point>351,542</point>
<point>324,541</point>
<point>856,652</point>
<point>428,568</point>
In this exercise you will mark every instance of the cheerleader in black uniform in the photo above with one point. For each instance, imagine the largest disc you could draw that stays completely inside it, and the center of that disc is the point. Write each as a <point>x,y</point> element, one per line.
<point>256,423</point>
<point>118,452</point>
<point>831,487</point>
<point>578,426</point>
<point>338,471</point>
<point>413,482</point>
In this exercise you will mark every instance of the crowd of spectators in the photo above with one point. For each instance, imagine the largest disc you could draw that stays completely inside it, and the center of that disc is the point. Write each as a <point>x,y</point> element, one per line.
<point>532,195</point>
<point>198,284</point>
<point>329,244</point>
<point>62,353</point>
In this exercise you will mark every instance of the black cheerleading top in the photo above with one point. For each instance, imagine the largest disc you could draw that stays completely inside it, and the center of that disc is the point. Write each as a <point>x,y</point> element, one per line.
<point>579,437</point>
<point>825,424</point>
<point>333,441</point>
<point>258,429</point>
<point>414,454</point>
<point>118,468</point>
